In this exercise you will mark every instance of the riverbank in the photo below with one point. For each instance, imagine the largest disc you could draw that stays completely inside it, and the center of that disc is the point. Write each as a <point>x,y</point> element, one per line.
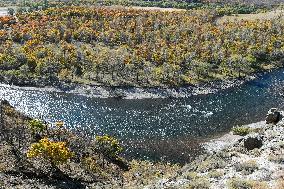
<point>182,123</point>
<point>253,161</point>
<point>230,162</point>
<point>119,56</point>
<point>127,92</point>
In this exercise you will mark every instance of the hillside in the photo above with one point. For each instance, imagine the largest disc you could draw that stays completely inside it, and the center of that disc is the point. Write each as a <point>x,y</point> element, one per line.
<point>35,154</point>
<point>252,161</point>
<point>93,46</point>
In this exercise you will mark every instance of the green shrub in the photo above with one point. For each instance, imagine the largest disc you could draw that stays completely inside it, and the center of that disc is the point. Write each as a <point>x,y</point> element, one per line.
<point>36,126</point>
<point>242,131</point>
<point>108,145</point>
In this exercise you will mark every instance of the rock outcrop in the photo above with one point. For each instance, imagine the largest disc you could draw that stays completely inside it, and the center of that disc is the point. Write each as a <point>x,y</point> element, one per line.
<point>235,161</point>
<point>273,116</point>
<point>251,143</point>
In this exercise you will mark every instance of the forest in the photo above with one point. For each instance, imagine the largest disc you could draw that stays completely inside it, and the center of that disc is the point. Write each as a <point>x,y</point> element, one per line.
<point>130,47</point>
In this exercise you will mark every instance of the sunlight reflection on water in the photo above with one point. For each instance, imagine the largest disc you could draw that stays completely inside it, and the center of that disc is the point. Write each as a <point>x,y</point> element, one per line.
<point>153,128</point>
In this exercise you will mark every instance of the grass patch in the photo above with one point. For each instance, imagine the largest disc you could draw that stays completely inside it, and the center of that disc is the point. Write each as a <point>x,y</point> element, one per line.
<point>199,183</point>
<point>211,164</point>
<point>238,183</point>
<point>278,158</point>
<point>247,167</point>
<point>216,174</point>
<point>242,131</point>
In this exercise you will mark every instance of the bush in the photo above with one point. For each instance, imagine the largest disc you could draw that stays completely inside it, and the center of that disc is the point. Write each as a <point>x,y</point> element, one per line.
<point>238,183</point>
<point>278,158</point>
<point>36,126</point>
<point>216,174</point>
<point>247,167</point>
<point>54,152</point>
<point>109,146</point>
<point>199,183</point>
<point>211,164</point>
<point>242,131</point>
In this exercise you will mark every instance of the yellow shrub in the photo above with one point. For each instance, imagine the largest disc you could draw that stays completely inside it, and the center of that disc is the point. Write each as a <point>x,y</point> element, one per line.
<point>55,152</point>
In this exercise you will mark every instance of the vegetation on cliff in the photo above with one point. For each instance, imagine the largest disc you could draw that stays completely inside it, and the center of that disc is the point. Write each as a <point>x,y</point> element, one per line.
<point>34,154</point>
<point>54,157</point>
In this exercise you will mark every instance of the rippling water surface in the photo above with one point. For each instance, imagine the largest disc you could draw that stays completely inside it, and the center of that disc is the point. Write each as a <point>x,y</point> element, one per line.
<point>167,129</point>
<point>3,11</point>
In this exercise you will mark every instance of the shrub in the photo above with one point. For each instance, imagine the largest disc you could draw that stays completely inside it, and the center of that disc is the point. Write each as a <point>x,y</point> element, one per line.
<point>199,183</point>
<point>211,164</point>
<point>242,131</point>
<point>281,144</point>
<point>279,158</point>
<point>59,124</point>
<point>215,174</point>
<point>91,164</point>
<point>36,126</point>
<point>237,183</point>
<point>54,152</point>
<point>260,185</point>
<point>109,146</point>
<point>191,175</point>
<point>247,167</point>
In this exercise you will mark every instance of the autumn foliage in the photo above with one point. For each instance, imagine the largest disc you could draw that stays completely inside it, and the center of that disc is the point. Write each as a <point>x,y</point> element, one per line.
<point>55,152</point>
<point>123,46</point>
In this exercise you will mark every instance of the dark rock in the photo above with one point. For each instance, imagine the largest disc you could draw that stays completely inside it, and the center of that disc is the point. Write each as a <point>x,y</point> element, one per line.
<point>118,94</point>
<point>273,116</point>
<point>37,137</point>
<point>251,143</point>
<point>4,102</point>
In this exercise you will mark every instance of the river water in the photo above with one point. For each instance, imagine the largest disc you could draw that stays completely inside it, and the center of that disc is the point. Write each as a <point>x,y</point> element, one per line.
<point>155,129</point>
<point>3,11</point>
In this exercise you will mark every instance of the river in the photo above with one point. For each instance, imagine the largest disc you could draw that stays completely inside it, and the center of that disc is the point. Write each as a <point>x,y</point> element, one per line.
<point>3,11</point>
<point>155,129</point>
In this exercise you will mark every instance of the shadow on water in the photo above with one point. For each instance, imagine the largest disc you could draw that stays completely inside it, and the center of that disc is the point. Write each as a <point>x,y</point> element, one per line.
<point>156,129</point>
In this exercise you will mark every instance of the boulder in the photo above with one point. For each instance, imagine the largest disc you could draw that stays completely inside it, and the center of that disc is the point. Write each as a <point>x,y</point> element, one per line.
<point>273,116</point>
<point>251,143</point>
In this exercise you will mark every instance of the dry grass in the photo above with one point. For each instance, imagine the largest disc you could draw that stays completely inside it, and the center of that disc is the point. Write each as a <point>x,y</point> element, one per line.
<point>146,173</point>
<point>257,2</point>
<point>150,8</point>
<point>280,184</point>
<point>259,16</point>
